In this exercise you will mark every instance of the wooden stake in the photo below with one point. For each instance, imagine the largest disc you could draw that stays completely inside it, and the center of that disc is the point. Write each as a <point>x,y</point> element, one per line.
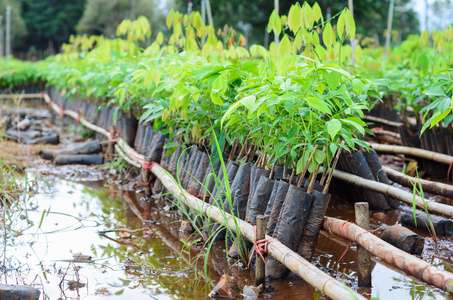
<point>145,177</point>
<point>362,219</point>
<point>110,148</point>
<point>259,263</point>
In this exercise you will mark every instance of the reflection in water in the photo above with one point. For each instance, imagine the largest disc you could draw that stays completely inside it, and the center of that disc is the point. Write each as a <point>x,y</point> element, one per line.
<point>152,262</point>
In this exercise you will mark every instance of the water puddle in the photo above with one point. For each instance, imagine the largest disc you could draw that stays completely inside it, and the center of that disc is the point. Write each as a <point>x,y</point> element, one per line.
<point>56,247</point>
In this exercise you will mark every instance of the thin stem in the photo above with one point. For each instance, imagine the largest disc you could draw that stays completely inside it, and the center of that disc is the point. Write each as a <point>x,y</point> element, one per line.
<point>302,176</point>
<point>329,179</point>
<point>324,174</point>
<point>312,180</point>
<point>233,149</point>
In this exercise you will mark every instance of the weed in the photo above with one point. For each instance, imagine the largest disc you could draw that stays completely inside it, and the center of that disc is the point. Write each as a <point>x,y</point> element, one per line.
<point>202,224</point>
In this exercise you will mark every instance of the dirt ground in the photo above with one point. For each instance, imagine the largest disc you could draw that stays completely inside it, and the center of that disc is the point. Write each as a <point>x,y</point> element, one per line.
<point>21,155</point>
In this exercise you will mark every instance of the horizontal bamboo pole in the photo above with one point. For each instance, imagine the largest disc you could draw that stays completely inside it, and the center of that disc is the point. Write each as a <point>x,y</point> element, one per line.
<point>394,192</point>
<point>315,277</point>
<point>426,154</point>
<point>432,187</point>
<point>311,274</point>
<point>21,96</point>
<point>383,121</point>
<point>402,260</point>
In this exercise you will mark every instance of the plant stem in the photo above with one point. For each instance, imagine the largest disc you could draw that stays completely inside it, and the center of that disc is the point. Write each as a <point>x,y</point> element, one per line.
<point>299,184</point>
<point>329,179</point>
<point>233,149</point>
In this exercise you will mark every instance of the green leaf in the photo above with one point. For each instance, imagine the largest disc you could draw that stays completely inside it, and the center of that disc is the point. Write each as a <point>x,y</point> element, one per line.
<point>340,25</point>
<point>435,91</point>
<point>170,145</point>
<point>318,104</point>
<point>319,156</point>
<point>292,132</point>
<point>294,18</point>
<point>328,36</point>
<point>216,99</point>
<point>357,86</point>
<point>248,101</point>
<point>230,110</point>
<point>317,13</point>
<point>284,48</point>
<point>115,54</point>
<point>425,64</point>
<point>333,126</point>
<point>219,85</point>
<point>333,79</point>
<point>333,149</point>
<point>300,165</point>
<point>354,124</point>
<point>275,23</point>
<point>350,24</point>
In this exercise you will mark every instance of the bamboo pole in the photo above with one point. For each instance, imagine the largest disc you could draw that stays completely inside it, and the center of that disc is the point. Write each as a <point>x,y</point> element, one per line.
<point>392,255</point>
<point>432,187</point>
<point>24,96</point>
<point>395,193</point>
<point>383,121</point>
<point>421,153</point>
<point>301,267</point>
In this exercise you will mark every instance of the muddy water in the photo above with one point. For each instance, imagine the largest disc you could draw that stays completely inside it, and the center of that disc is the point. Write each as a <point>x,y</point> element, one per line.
<point>64,218</point>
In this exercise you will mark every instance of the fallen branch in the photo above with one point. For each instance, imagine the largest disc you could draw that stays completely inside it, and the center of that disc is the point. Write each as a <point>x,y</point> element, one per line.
<point>436,188</point>
<point>395,193</point>
<point>421,153</point>
<point>403,261</point>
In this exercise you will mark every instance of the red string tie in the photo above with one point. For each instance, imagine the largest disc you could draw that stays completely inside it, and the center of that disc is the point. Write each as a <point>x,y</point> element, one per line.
<point>61,112</point>
<point>147,165</point>
<point>342,232</point>
<point>79,115</point>
<point>114,134</point>
<point>260,246</point>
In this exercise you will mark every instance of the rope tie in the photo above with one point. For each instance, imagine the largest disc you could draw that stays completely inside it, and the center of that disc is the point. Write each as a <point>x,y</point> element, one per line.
<point>61,112</point>
<point>342,230</point>
<point>114,134</point>
<point>79,115</point>
<point>260,246</point>
<point>201,197</point>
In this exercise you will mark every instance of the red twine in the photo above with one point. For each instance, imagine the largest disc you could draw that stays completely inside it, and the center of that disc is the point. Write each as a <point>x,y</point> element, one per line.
<point>78,116</point>
<point>342,229</point>
<point>113,134</point>
<point>260,246</point>
<point>61,112</point>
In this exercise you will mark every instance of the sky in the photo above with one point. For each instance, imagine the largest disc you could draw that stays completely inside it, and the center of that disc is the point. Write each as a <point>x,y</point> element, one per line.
<point>434,21</point>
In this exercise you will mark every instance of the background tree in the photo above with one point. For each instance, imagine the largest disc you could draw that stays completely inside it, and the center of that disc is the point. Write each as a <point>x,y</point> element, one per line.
<point>50,22</point>
<point>370,15</point>
<point>103,16</point>
<point>18,28</point>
